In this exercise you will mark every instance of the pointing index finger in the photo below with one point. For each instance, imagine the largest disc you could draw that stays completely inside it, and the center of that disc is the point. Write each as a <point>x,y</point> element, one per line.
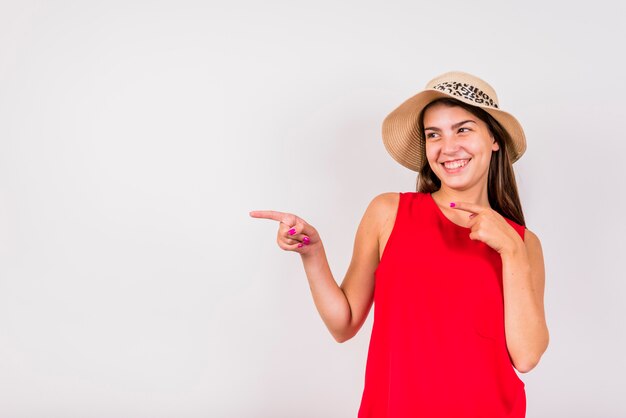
<point>268,214</point>
<point>468,207</point>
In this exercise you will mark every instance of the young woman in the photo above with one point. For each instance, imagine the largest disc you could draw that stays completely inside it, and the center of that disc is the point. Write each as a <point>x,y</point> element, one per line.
<point>456,279</point>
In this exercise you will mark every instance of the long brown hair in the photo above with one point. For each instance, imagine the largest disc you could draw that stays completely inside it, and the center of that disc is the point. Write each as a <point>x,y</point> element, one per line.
<point>501,185</point>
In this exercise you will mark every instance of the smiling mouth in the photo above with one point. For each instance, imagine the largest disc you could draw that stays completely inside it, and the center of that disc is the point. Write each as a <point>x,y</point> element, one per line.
<point>452,165</point>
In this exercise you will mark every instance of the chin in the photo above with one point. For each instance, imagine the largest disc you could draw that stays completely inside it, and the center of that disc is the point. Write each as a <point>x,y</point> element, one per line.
<point>455,183</point>
<point>456,186</point>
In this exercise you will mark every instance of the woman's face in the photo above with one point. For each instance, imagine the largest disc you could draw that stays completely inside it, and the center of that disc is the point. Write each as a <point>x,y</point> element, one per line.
<point>458,146</point>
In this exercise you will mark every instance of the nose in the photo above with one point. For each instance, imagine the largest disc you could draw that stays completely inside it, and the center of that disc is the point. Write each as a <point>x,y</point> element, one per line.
<point>450,144</point>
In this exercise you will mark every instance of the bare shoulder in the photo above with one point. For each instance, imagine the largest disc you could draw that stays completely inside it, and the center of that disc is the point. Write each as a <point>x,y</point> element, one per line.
<point>535,257</point>
<point>385,202</point>
<point>383,208</point>
<point>532,240</point>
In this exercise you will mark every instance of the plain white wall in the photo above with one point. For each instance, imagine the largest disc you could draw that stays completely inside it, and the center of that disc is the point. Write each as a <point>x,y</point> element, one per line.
<point>135,137</point>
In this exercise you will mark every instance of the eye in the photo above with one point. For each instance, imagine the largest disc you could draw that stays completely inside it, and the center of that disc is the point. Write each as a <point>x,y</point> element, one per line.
<point>430,135</point>
<point>461,129</point>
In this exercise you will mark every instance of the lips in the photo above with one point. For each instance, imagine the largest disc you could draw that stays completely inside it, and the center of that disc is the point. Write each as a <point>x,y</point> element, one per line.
<point>454,165</point>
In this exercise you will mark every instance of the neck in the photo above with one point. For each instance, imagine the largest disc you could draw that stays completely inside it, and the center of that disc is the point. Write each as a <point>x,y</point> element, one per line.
<point>475,195</point>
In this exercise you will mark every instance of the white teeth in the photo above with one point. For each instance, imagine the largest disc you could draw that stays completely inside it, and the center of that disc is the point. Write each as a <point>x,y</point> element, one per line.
<point>455,164</point>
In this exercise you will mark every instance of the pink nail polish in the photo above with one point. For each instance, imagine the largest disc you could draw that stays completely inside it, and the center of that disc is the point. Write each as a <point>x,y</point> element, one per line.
<point>292,231</point>
<point>452,205</point>
<point>306,240</point>
<point>300,245</point>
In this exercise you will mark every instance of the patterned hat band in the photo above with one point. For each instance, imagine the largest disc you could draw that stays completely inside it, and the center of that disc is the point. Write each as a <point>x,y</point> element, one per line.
<point>401,135</point>
<point>467,91</point>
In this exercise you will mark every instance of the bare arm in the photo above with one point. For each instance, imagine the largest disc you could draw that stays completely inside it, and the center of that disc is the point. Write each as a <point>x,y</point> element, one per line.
<point>523,275</point>
<point>343,309</point>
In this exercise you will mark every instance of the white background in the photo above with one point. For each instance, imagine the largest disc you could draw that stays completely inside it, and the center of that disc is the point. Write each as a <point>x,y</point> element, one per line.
<point>135,137</point>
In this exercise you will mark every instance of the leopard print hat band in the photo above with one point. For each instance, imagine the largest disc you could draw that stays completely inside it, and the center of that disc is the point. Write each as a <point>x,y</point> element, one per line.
<point>400,133</point>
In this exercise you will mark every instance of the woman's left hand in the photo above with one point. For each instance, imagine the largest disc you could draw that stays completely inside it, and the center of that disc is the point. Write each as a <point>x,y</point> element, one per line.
<point>490,227</point>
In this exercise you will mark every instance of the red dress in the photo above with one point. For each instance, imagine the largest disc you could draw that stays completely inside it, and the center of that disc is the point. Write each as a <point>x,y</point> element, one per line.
<point>438,347</point>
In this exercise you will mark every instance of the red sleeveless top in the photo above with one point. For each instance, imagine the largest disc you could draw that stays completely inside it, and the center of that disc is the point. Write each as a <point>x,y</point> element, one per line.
<point>438,347</point>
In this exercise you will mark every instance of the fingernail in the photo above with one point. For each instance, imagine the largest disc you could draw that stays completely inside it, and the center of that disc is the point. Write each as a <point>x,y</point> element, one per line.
<point>292,231</point>
<point>452,204</point>
<point>300,245</point>
<point>306,240</point>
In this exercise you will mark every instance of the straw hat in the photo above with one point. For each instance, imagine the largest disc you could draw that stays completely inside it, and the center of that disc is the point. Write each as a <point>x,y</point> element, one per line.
<point>402,138</point>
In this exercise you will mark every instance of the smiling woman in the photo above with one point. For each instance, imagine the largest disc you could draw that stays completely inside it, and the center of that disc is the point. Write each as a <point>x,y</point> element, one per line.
<point>455,277</point>
<point>450,150</point>
<point>474,126</point>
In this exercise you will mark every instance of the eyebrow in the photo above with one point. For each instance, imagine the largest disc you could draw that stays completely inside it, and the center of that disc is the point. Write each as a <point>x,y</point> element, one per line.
<point>456,125</point>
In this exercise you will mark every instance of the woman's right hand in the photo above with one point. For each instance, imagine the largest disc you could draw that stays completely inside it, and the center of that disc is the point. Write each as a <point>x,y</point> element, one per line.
<point>294,233</point>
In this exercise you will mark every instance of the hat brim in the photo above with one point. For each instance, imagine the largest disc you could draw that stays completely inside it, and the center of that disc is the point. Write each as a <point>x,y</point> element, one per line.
<point>404,142</point>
